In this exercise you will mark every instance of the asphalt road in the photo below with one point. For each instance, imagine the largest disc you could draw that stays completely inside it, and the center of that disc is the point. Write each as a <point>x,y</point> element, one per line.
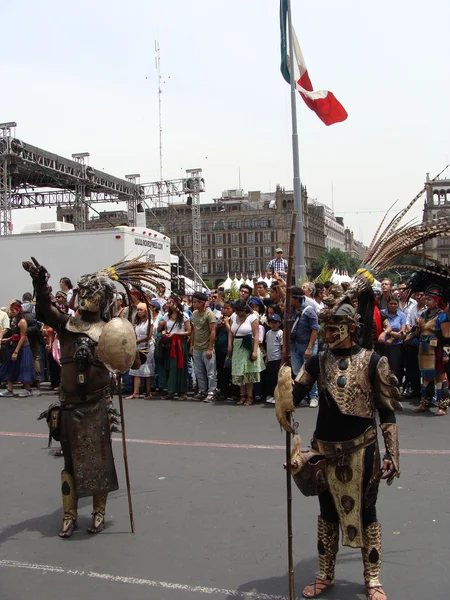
<point>210,511</point>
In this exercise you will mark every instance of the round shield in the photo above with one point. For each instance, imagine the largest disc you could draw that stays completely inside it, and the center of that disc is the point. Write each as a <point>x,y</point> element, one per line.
<point>117,345</point>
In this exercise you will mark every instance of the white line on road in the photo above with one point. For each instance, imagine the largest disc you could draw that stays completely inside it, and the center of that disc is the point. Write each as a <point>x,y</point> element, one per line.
<point>197,589</point>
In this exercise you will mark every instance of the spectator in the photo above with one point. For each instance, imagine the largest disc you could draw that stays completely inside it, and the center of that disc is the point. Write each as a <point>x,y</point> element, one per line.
<point>221,346</point>
<point>202,348</point>
<point>19,364</point>
<point>215,304</point>
<point>176,328</point>
<point>304,331</point>
<point>309,290</point>
<point>144,332</point>
<point>54,355</point>
<point>243,343</point>
<point>278,264</point>
<point>120,305</point>
<point>386,293</point>
<point>161,294</point>
<point>34,337</point>
<point>61,302</point>
<point>412,371</point>
<point>327,285</point>
<point>394,325</point>
<point>4,322</point>
<point>274,347</point>
<point>319,294</point>
<point>27,304</point>
<point>261,289</point>
<point>66,286</point>
<point>245,291</point>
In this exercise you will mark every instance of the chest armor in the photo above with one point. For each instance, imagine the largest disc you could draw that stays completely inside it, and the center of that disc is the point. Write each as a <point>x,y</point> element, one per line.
<point>346,379</point>
<point>427,325</point>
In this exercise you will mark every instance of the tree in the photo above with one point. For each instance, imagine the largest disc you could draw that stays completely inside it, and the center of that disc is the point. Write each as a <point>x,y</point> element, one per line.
<point>337,259</point>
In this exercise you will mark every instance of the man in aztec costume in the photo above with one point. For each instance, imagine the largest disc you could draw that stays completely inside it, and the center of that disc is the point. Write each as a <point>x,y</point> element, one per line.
<point>92,345</point>
<point>343,466</point>
<point>433,333</point>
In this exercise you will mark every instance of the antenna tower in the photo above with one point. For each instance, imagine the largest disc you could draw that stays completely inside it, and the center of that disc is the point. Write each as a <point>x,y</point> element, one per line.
<point>158,68</point>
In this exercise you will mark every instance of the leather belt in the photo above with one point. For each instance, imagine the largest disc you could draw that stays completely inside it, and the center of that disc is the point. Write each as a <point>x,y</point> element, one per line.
<point>335,450</point>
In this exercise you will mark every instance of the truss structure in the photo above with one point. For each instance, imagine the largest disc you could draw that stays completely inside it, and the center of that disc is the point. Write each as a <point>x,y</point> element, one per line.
<point>32,178</point>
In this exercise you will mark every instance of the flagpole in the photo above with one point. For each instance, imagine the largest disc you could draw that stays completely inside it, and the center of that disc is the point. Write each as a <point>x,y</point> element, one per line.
<point>300,267</point>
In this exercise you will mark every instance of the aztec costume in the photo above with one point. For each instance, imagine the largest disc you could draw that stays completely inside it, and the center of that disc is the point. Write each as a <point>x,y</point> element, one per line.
<point>433,333</point>
<point>343,465</point>
<point>92,345</point>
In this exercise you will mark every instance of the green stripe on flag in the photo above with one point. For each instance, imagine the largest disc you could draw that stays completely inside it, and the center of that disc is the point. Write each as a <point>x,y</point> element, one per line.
<point>284,41</point>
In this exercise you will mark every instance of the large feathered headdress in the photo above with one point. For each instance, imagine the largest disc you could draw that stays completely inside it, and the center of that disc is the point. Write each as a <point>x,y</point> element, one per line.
<point>388,244</point>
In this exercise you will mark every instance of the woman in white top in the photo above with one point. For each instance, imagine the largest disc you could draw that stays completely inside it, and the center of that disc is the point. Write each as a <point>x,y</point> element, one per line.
<point>173,352</point>
<point>243,342</point>
<point>144,331</point>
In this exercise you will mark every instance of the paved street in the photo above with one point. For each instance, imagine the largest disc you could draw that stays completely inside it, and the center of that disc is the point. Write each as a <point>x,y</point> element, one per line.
<point>209,510</point>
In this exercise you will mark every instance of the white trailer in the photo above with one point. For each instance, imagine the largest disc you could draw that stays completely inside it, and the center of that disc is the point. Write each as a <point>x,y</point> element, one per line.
<point>74,253</point>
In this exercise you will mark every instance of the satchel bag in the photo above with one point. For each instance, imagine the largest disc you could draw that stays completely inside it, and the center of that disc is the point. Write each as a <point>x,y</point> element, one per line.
<point>310,472</point>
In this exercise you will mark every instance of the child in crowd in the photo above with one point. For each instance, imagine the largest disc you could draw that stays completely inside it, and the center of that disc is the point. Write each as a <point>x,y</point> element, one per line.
<point>221,347</point>
<point>274,347</point>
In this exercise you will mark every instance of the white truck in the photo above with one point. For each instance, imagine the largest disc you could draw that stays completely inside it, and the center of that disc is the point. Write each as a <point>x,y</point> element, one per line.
<point>74,253</point>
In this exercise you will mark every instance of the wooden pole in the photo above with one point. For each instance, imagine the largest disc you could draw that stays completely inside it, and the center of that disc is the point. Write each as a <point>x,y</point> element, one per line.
<point>125,456</point>
<point>287,361</point>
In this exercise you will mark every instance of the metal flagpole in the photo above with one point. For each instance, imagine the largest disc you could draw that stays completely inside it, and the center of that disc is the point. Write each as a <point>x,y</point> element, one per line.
<point>300,267</point>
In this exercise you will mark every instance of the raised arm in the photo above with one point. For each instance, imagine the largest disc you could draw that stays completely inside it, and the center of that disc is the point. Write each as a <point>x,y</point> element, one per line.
<point>40,276</point>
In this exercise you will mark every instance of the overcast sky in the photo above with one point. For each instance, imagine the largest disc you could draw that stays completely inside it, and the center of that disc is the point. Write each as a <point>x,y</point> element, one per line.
<point>80,76</point>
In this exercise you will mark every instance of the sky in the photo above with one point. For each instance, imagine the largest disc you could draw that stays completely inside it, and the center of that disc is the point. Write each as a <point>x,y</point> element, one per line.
<point>81,77</point>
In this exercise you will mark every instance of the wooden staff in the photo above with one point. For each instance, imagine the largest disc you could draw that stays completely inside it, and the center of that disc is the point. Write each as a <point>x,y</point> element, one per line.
<point>287,361</point>
<point>124,449</point>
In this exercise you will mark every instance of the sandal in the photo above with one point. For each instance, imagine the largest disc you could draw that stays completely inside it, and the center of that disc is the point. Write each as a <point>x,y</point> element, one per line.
<point>167,397</point>
<point>58,452</point>
<point>148,396</point>
<point>376,593</point>
<point>242,400</point>
<point>132,396</point>
<point>183,397</point>
<point>249,401</point>
<point>318,587</point>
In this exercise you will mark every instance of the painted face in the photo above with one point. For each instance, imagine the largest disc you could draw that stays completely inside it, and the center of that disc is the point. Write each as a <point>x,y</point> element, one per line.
<point>335,334</point>
<point>89,301</point>
<point>432,302</point>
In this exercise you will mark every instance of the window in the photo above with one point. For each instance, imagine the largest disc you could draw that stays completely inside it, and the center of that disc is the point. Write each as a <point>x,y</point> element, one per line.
<point>204,238</point>
<point>263,223</point>
<point>250,237</point>
<point>267,237</point>
<point>204,253</point>
<point>247,224</point>
<point>187,240</point>
<point>219,252</point>
<point>205,225</point>
<point>235,267</point>
<point>219,267</point>
<point>235,252</point>
<point>238,224</point>
<point>234,237</point>
<point>288,219</point>
<point>204,268</point>
<point>188,254</point>
<point>250,252</point>
<point>185,226</point>
<point>254,223</point>
<point>219,238</point>
<point>214,225</point>
<point>267,251</point>
<point>230,224</point>
<point>251,267</point>
<point>222,224</point>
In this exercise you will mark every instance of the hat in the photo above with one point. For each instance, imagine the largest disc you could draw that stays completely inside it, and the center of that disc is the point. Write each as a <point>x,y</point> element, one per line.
<point>61,293</point>
<point>279,250</point>
<point>255,300</point>
<point>275,317</point>
<point>200,296</point>
<point>155,303</point>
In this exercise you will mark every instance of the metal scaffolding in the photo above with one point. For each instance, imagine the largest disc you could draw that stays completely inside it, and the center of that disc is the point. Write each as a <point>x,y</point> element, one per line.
<point>71,183</point>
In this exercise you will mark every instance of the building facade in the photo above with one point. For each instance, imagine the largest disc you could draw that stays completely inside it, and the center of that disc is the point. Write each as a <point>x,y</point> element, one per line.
<point>240,232</point>
<point>437,206</point>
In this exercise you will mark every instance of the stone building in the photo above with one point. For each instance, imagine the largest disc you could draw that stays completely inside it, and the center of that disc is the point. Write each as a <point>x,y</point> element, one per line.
<point>437,206</point>
<point>240,232</point>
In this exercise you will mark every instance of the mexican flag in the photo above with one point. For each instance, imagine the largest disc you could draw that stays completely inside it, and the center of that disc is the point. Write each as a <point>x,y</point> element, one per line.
<point>322,102</point>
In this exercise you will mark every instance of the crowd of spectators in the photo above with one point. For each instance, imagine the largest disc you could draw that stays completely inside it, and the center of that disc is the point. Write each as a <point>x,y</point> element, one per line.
<point>209,347</point>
